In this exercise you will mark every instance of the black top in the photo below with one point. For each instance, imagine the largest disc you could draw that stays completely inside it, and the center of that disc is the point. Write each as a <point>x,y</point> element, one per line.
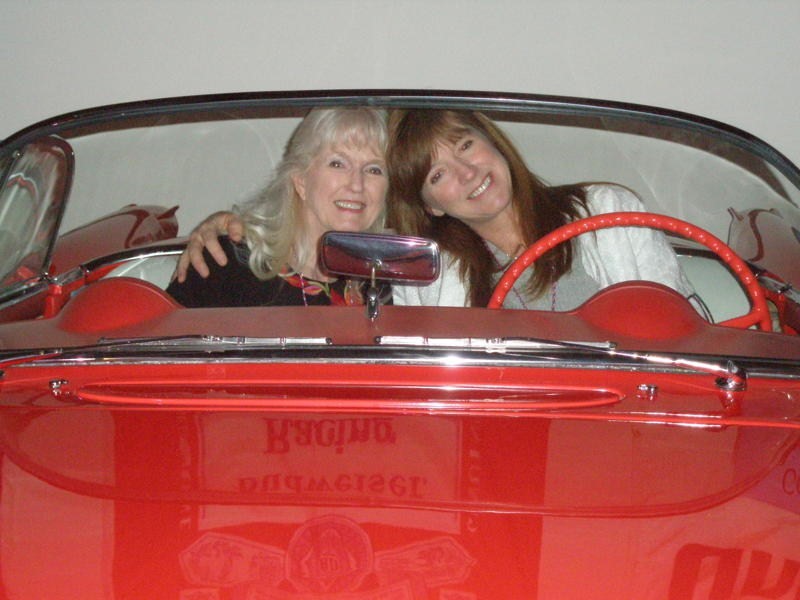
<point>236,285</point>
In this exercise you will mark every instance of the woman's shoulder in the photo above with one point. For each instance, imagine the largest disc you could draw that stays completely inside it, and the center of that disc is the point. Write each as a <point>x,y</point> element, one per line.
<point>237,266</point>
<point>611,197</point>
<point>448,290</point>
<point>227,285</point>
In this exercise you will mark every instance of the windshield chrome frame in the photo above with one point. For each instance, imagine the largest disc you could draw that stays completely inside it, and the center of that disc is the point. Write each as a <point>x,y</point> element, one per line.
<point>395,98</point>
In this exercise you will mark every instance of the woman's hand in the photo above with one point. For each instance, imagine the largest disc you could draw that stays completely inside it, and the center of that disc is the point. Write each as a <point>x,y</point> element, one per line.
<point>204,236</point>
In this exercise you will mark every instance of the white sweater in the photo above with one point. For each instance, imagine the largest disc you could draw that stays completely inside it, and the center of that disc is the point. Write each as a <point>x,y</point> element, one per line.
<point>608,255</point>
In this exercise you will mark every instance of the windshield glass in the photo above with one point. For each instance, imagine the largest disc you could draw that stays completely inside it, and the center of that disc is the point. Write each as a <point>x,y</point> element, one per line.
<point>31,200</point>
<point>208,165</point>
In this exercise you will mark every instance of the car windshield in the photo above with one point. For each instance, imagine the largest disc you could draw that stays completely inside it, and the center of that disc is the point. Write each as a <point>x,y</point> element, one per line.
<point>207,162</point>
<point>134,179</point>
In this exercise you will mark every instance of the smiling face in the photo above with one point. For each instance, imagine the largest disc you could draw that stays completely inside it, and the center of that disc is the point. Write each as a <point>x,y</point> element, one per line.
<point>343,189</point>
<point>469,179</point>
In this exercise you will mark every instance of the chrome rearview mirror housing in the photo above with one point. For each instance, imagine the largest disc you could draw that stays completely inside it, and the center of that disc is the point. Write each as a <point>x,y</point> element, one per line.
<point>373,256</point>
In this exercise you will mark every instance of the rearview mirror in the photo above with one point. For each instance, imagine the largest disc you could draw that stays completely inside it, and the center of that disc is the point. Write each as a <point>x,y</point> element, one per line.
<point>395,258</point>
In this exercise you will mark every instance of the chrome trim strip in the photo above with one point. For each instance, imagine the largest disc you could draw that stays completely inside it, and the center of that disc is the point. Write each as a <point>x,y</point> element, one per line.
<point>24,291</point>
<point>318,353</point>
<point>487,344</point>
<point>132,254</point>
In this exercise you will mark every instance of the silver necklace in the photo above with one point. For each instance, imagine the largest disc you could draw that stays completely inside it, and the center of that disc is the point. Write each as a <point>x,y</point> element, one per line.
<point>504,268</point>
<point>553,293</point>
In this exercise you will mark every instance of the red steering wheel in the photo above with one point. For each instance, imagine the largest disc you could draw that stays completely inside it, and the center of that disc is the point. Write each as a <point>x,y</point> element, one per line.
<point>759,313</point>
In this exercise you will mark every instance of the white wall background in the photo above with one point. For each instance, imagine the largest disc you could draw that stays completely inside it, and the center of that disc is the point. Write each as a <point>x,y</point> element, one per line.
<point>732,60</point>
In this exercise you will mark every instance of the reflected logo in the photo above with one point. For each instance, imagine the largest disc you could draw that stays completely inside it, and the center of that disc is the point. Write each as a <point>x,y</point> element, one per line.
<point>724,573</point>
<point>329,554</point>
<point>283,434</point>
<point>326,555</point>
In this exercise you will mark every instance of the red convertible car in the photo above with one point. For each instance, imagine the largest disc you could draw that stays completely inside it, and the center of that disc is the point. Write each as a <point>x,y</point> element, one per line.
<point>630,448</point>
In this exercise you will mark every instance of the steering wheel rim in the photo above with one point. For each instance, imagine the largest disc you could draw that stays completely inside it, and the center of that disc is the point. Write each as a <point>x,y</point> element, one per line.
<point>759,312</point>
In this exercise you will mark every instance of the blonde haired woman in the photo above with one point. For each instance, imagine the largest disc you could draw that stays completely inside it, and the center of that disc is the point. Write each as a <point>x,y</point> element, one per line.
<point>332,177</point>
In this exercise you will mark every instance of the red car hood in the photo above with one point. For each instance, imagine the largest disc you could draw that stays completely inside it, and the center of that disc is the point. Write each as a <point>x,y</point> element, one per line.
<point>145,486</point>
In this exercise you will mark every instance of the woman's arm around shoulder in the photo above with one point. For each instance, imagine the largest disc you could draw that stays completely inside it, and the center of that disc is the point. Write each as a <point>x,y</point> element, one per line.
<point>222,286</point>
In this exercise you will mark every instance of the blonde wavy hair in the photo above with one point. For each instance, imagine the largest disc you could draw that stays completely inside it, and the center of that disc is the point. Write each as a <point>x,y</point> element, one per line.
<point>274,231</point>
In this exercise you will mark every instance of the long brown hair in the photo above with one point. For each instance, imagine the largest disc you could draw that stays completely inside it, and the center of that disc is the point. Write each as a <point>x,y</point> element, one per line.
<point>539,209</point>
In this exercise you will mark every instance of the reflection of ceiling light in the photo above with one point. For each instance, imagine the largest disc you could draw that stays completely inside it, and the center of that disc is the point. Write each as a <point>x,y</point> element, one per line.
<point>21,181</point>
<point>452,360</point>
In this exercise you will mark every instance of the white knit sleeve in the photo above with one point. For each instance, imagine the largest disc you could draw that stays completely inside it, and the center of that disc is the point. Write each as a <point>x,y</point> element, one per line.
<point>447,290</point>
<point>628,253</point>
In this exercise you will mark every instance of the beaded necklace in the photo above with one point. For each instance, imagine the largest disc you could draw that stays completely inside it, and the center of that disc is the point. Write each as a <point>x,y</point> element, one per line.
<point>351,294</point>
<point>307,287</point>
